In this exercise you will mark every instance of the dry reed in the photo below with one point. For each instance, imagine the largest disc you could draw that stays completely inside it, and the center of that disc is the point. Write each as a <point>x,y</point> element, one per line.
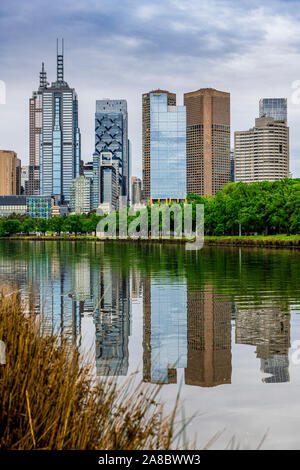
<point>49,400</point>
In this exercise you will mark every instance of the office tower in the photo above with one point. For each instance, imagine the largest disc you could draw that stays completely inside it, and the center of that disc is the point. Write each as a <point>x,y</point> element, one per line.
<point>164,146</point>
<point>106,169</point>
<point>262,153</point>
<point>111,135</point>
<point>81,195</point>
<point>60,136</point>
<point>208,338</point>
<point>10,173</point>
<point>136,190</point>
<point>25,179</point>
<point>35,134</point>
<point>275,108</point>
<point>208,140</point>
<point>232,166</point>
<point>171,101</point>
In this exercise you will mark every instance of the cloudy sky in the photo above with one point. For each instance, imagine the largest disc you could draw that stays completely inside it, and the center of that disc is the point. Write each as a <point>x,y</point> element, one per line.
<point>122,48</point>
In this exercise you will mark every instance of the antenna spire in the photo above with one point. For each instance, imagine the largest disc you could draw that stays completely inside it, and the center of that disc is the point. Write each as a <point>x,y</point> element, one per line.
<point>60,61</point>
<point>43,77</point>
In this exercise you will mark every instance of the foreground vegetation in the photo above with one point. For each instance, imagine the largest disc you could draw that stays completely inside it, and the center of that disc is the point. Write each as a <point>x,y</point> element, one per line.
<point>49,399</point>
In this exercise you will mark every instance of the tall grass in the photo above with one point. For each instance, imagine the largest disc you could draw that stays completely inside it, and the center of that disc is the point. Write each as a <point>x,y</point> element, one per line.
<point>49,400</point>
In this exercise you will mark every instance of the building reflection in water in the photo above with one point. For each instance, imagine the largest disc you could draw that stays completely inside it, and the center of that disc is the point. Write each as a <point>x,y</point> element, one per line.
<point>165,330</point>
<point>209,339</point>
<point>184,327</point>
<point>112,322</point>
<point>268,329</point>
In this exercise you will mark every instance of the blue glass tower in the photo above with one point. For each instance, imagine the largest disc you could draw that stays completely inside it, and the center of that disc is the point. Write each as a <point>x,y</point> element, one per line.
<point>273,107</point>
<point>167,148</point>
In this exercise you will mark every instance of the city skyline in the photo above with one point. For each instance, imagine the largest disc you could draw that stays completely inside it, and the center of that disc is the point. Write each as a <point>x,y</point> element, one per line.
<point>251,57</point>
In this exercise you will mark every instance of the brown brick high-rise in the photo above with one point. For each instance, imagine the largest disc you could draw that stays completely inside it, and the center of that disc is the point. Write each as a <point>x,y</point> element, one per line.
<point>146,137</point>
<point>208,140</point>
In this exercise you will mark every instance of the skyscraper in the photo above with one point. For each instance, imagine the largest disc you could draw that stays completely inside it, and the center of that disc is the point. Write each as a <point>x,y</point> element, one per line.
<point>60,135</point>
<point>35,133</point>
<point>273,107</point>
<point>164,146</point>
<point>111,135</point>
<point>208,140</point>
<point>262,153</point>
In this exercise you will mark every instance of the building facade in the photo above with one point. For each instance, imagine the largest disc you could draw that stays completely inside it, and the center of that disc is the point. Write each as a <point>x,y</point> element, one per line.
<point>164,147</point>
<point>273,107</point>
<point>106,172</point>
<point>208,140</point>
<point>60,137</point>
<point>35,134</point>
<point>10,173</point>
<point>81,195</point>
<point>12,205</point>
<point>39,207</point>
<point>25,179</point>
<point>111,135</point>
<point>232,166</point>
<point>136,190</point>
<point>146,135</point>
<point>262,153</point>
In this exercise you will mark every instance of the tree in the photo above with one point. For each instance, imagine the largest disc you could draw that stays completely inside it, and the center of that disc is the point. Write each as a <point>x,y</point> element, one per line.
<point>28,226</point>
<point>42,225</point>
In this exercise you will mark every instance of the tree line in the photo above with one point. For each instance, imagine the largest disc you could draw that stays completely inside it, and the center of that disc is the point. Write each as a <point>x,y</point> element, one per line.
<point>262,208</point>
<point>85,223</point>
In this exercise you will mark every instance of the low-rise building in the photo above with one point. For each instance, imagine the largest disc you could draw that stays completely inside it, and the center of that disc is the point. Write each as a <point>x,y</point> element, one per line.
<point>39,207</point>
<point>12,205</point>
<point>81,195</point>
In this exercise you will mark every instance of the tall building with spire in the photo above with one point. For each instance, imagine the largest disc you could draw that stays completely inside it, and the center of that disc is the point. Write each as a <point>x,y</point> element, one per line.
<point>54,135</point>
<point>35,131</point>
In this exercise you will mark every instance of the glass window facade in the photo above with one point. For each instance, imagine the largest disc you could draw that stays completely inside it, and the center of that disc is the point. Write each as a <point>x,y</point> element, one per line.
<point>273,107</point>
<point>39,207</point>
<point>167,149</point>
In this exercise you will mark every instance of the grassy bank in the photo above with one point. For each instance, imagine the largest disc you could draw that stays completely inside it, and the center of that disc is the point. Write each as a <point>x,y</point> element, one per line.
<point>292,241</point>
<point>49,400</point>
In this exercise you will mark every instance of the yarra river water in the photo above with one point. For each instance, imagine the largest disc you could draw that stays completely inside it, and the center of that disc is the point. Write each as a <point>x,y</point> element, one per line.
<point>221,323</point>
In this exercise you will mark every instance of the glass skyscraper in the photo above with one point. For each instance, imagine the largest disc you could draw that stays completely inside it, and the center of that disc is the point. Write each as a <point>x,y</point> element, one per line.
<point>111,135</point>
<point>273,107</point>
<point>167,148</point>
<point>59,138</point>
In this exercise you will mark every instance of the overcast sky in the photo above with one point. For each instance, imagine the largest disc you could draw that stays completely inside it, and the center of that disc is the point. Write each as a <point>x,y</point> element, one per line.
<point>120,49</point>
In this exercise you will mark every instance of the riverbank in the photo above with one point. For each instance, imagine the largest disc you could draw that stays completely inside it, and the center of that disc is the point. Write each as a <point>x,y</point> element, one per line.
<point>273,241</point>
